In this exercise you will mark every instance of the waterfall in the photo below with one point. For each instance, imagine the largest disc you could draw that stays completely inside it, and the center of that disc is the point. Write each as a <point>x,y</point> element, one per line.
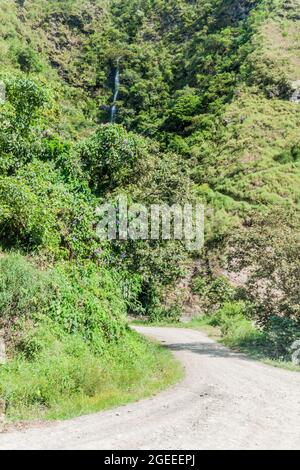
<point>113,110</point>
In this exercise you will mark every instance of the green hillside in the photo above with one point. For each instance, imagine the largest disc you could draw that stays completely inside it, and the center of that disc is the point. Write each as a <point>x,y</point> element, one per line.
<point>208,110</point>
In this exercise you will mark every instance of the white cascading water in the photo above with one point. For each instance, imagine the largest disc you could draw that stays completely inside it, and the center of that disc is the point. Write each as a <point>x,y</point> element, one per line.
<point>113,110</point>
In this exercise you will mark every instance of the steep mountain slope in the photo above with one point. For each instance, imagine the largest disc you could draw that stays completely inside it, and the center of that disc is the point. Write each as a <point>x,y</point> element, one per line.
<point>215,82</point>
<point>257,159</point>
<point>211,81</point>
<point>207,110</point>
<point>47,40</point>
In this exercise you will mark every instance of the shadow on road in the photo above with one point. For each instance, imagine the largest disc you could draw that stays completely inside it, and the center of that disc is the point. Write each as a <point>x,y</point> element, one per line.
<point>206,349</point>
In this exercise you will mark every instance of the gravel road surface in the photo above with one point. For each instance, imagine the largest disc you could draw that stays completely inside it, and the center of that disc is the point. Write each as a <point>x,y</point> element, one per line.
<point>225,401</point>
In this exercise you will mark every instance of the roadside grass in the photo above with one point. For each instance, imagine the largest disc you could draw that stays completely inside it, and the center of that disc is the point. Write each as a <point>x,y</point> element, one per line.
<point>240,335</point>
<point>68,345</point>
<point>246,339</point>
<point>67,380</point>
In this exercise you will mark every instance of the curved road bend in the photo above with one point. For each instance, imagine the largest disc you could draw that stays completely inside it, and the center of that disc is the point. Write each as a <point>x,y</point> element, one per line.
<point>225,401</point>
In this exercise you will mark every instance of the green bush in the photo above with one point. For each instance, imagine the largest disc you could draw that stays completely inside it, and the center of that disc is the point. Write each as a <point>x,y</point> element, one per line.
<point>80,300</point>
<point>273,341</point>
<point>268,246</point>
<point>163,314</point>
<point>234,326</point>
<point>22,289</point>
<point>289,156</point>
<point>237,330</point>
<point>242,333</point>
<point>28,60</point>
<point>70,350</point>
<point>26,101</point>
<point>89,302</point>
<point>21,122</point>
<point>281,333</point>
<point>185,106</point>
<point>112,157</point>
<point>230,311</point>
<point>38,211</point>
<point>213,292</point>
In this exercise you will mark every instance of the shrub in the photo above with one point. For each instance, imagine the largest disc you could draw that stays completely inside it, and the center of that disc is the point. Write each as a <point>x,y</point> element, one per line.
<point>273,341</point>
<point>213,292</point>
<point>28,60</point>
<point>268,248</point>
<point>186,105</point>
<point>112,157</point>
<point>237,330</point>
<point>38,211</point>
<point>26,101</point>
<point>22,289</point>
<point>289,156</point>
<point>281,333</point>
<point>161,313</point>
<point>242,333</point>
<point>89,302</point>
<point>82,300</point>
<point>21,123</point>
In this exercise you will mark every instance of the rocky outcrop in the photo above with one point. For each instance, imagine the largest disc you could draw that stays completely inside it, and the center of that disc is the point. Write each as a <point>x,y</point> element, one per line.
<point>295,98</point>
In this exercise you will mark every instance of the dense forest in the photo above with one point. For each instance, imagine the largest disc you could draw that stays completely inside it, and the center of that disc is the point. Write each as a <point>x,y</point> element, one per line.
<point>207,111</point>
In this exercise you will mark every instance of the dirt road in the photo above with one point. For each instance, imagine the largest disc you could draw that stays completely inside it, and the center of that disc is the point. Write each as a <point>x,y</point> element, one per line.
<point>225,401</point>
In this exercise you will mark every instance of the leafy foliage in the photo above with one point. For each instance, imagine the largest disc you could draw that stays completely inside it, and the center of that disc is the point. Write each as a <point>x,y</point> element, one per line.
<point>77,299</point>
<point>268,250</point>
<point>203,115</point>
<point>111,158</point>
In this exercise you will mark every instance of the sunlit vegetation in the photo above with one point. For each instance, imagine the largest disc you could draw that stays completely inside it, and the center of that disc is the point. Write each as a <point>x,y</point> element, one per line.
<point>204,114</point>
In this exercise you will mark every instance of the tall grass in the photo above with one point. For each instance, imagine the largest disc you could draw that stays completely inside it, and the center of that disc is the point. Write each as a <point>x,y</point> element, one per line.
<point>230,326</point>
<point>66,379</point>
<point>70,350</point>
